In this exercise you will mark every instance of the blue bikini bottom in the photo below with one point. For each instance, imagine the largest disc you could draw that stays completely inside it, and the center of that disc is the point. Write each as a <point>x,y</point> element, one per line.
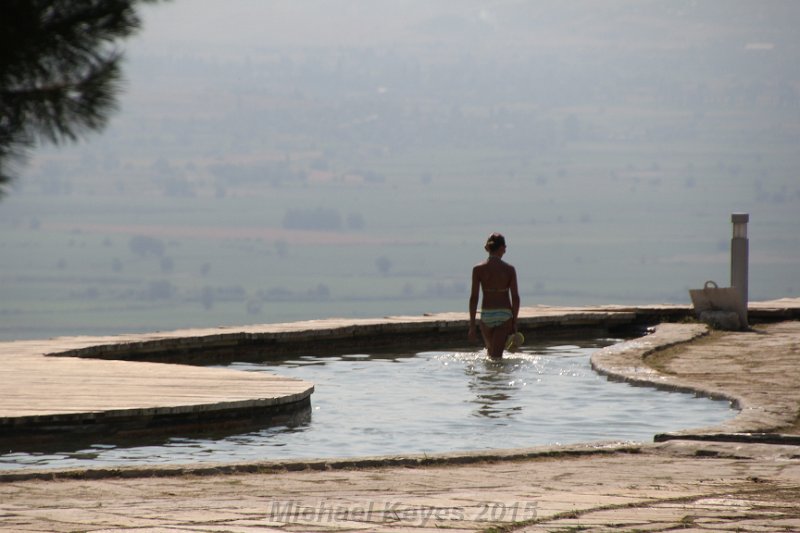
<point>492,318</point>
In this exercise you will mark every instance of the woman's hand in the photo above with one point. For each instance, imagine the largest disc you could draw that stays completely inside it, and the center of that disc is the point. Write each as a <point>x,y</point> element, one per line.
<point>472,334</point>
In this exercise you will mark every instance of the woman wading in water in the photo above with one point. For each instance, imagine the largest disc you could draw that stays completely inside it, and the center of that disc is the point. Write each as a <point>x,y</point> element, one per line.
<point>497,280</point>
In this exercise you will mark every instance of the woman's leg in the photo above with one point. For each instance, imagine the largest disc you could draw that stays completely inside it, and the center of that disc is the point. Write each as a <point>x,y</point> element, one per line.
<point>495,338</point>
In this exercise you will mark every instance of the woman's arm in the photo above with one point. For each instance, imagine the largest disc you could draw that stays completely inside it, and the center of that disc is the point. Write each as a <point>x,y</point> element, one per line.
<point>515,301</point>
<point>473,302</point>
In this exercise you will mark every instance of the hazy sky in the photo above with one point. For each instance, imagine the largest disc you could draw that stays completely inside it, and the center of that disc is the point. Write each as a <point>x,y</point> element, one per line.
<point>209,23</point>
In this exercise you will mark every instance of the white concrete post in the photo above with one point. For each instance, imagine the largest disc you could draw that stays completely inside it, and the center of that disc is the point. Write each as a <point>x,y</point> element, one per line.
<point>740,256</point>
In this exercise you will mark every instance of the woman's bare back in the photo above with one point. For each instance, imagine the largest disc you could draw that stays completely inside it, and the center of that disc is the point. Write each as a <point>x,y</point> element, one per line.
<point>496,278</point>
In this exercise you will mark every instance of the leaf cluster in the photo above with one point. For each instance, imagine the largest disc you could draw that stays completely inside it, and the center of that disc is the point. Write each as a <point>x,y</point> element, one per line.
<point>59,69</point>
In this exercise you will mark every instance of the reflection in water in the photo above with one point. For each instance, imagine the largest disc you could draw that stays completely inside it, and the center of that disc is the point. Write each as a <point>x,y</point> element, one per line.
<point>493,384</point>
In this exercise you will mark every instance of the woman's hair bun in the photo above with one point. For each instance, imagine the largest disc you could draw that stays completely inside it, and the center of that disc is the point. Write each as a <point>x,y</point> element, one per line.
<point>495,242</point>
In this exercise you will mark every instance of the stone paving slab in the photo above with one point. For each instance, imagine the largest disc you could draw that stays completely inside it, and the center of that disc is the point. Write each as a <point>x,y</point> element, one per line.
<point>674,485</point>
<point>660,485</point>
<point>42,393</point>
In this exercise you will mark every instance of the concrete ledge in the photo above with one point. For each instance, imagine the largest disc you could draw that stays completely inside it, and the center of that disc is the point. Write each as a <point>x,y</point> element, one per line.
<point>48,400</point>
<point>625,361</point>
<point>336,335</point>
<point>332,336</point>
<point>327,464</point>
<point>748,438</point>
<point>757,371</point>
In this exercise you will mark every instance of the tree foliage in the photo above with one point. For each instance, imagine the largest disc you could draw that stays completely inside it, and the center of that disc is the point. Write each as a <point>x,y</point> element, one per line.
<point>59,70</point>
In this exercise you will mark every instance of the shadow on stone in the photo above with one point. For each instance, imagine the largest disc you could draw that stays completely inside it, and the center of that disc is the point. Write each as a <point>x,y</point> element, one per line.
<point>143,431</point>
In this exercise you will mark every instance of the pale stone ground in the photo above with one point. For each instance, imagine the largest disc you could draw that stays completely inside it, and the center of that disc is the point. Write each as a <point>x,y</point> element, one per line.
<point>676,485</point>
<point>725,487</point>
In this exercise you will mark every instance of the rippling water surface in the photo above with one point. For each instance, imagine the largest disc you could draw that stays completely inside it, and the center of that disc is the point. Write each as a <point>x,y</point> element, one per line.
<point>433,401</point>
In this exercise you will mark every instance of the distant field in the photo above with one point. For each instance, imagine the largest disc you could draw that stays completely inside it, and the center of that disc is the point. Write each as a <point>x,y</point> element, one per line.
<point>594,225</point>
<point>257,182</point>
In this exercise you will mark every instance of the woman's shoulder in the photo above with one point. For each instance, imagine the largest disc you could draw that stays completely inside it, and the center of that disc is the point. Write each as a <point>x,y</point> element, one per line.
<point>509,268</point>
<point>505,264</point>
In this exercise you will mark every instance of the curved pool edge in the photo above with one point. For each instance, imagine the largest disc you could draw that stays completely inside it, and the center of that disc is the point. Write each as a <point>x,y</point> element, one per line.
<point>50,401</point>
<point>625,361</point>
<point>759,415</point>
<point>460,458</point>
<point>258,342</point>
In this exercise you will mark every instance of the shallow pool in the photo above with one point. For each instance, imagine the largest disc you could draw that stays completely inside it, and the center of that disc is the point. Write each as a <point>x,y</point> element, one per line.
<point>428,402</point>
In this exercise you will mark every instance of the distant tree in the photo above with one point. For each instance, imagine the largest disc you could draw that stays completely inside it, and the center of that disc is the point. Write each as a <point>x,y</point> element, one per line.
<point>320,292</point>
<point>167,264</point>
<point>374,177</point>
<point>407,290</point>
<point>313,219</point>
<point>230,293</point>
<point>59,70</point>
<point>355,221</point>
<point>177,187</point>
<point>281,247</point>
<point>207,298</point>
<point>159,290</point>
<point>275,294</point>
<point>254,307</point>
<point>383,264</point>
<point>142,245</point>
<point>447,290</point>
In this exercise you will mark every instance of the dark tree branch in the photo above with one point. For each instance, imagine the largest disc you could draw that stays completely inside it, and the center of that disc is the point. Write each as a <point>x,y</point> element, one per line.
<point>59,70</point>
